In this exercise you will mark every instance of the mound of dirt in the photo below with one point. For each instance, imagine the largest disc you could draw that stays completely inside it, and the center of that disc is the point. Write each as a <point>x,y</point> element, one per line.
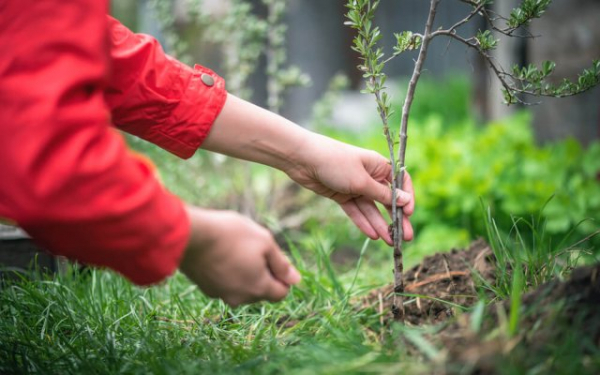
<point>557,313</point>
<point>438,282</point>
<point>550,316</point>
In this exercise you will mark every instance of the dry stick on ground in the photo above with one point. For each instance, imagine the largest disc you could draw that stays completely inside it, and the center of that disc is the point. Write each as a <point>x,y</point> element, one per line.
<point>451,285</point>
<point>417,280</point>
<point>448,275</point>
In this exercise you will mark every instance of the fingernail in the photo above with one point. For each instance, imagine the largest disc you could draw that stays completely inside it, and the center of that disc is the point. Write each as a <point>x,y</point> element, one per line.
<point>293,277</point>
<point>403,197</point>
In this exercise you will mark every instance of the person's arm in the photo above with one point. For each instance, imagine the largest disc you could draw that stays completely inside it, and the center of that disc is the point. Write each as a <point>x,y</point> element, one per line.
<point>158,98</point>
<point>354,177</point>
<point>246,264</point>
<point>69,181</point>
<point>65,175</point>
<point>165,102</point>
<point>162,100</point>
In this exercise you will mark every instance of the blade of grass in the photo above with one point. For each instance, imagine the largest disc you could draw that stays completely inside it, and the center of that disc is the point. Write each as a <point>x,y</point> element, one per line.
<point>515,300</point>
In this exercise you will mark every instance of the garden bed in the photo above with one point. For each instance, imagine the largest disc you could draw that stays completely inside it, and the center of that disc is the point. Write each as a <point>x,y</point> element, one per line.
<point>438,283</point>
<point>549,322</point>
<point>553,320</point>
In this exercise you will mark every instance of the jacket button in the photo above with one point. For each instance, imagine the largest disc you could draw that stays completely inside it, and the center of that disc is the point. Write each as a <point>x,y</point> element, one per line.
<point>207,79</point>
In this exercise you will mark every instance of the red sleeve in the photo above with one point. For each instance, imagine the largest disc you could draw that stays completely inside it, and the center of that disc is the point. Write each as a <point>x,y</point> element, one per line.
<point>158,98</point>
<point>65,174</point>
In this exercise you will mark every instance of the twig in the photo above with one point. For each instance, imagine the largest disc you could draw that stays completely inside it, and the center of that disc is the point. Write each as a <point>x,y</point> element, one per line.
<point>435,278</point>
<point>473,13</point>
<point>582,241</point>
<point>417,274</point>
<point>447,266</point>
<point>491,17</point>
<point>498,71</point>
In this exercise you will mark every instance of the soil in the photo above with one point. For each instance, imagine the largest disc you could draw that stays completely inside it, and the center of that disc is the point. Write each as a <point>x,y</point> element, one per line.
<point>555,313</point>
<point>438,283</point>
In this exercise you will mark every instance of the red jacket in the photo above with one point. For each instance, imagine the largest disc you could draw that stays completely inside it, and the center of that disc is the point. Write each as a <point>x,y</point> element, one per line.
<point>67,72</point>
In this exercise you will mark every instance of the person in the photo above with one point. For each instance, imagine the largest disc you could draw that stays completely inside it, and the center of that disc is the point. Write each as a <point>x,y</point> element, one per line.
<point>69,71</point>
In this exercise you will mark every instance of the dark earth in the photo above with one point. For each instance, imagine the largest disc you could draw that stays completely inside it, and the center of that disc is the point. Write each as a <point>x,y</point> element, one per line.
<point>450,277</point>
<point>556,313</point>
<point>556,317</point>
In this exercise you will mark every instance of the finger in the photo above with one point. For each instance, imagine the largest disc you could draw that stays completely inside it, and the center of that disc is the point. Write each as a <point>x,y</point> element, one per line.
<point>281,268</point>
<point>359,219</point>
<point>374,217</point>
<point>406,197</point>
<point>378,166</point>
<point>275,290</point>
<point>406,226</point>
<point>408,187</point>
<point>377,191</point>
<point>404,200</point>
<point>407,229</point>
<point>234,302</point>
<point>381,193</point>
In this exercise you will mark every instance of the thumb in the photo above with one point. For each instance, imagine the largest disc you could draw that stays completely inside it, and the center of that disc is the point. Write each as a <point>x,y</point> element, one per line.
<point>281,267</point>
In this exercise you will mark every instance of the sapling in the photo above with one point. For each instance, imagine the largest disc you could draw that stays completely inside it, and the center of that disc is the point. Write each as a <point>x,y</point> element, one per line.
<point>517,83</point>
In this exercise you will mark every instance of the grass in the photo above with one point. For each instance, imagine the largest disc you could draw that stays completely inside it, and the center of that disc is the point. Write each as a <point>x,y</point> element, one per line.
<point>96,322</point>
<point>526,256</point>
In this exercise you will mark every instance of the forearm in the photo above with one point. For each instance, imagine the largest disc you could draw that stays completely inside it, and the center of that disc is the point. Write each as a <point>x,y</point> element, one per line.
<point>353,177</point>
<point>246,131</point>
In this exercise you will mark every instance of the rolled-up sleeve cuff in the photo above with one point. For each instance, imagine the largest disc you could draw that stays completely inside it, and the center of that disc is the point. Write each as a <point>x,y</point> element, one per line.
<point>191,121</point>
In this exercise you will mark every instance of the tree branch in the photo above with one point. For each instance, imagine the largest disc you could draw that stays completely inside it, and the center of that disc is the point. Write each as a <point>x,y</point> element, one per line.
<point>504,77</point>
<point>495,68</point>
<point>491,20</point>
<point>473,13</point>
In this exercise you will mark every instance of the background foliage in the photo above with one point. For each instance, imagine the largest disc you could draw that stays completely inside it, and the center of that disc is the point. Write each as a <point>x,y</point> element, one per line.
<point>458,165</point>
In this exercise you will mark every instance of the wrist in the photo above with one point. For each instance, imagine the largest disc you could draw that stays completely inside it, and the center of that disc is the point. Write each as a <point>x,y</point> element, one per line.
<point>200,229</point>
<point>314,151</point>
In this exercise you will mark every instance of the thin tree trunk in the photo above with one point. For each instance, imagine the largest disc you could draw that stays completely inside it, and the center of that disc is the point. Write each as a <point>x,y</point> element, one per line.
<point>398,302</point>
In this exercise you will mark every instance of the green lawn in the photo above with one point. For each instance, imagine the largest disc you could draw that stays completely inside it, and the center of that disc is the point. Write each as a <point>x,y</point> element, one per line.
<point>97,322</point>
